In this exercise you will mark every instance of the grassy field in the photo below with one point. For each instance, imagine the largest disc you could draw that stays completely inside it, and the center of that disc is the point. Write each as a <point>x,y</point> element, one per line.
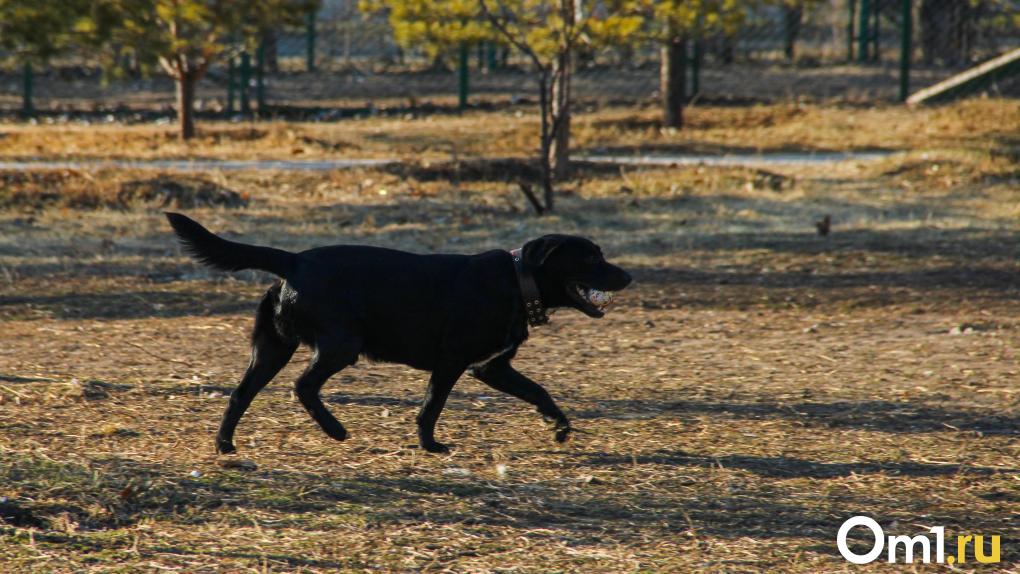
<point>757,386</point>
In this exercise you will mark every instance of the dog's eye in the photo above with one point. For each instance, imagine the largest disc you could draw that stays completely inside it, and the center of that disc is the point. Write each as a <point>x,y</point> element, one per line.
<point>592,259</point>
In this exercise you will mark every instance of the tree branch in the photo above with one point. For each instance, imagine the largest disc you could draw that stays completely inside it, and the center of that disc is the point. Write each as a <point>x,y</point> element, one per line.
<point>502,28</point>
<point>168,67</point>
<point>532,198</point>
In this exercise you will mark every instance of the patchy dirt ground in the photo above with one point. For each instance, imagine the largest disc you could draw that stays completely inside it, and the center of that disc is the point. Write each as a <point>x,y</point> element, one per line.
<point>759,385</point>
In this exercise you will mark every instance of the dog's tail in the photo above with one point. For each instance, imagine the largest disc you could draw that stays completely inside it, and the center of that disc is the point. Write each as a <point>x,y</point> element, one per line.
<point>226,255</point>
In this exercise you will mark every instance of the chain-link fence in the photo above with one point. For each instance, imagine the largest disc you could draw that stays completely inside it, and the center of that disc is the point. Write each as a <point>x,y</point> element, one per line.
<point>345,62</point>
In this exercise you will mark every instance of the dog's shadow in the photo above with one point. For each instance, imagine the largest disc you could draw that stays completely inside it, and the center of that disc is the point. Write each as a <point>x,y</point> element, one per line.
<point>583,513</point>
<point>871,415</point>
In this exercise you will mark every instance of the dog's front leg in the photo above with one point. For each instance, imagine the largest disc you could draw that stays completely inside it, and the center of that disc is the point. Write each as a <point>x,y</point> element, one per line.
<point>440,384</point>
<point>500,375</point>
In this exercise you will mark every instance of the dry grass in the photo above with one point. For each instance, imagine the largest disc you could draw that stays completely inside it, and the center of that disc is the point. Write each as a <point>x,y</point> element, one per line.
<point>758,386</point>
<point>982,124</point>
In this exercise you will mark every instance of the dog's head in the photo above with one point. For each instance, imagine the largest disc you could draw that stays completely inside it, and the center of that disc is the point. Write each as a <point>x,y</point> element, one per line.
<point>567,267</point>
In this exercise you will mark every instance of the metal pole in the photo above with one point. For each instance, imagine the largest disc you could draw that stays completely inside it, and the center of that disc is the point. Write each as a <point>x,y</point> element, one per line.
<point>696,54</point>
<point>462,77</point>
<point>876,33</point>
<point>349,22</point>
<point>26,95</point>
<point>260,80</point>
<point>231,84</point>
<point>851,7</point>
<point>245,81</point>
<point>310,42</point>
<point>863,33</point>
<point>490,56</point>
<point>906,31</point>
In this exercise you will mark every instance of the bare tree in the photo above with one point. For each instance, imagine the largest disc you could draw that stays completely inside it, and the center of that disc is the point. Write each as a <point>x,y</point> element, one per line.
<point>547,32</point>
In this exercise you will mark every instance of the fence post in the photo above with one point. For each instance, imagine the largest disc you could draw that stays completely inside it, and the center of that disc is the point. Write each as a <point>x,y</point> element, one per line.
<point>906,31</point>
<point>863,33</point>
<point>462,77</point>
<point>696,55</point>
<point>231,84</point>
<point>876,31</point>
<point>244,83</point>
<point>851,8</point>
<point>490,57</point>
<point>310,42</point>
<point>26,94</point>
<point>260,83</point>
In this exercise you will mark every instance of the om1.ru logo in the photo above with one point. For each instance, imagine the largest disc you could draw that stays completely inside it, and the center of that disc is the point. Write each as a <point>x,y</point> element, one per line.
<point>910,545</point>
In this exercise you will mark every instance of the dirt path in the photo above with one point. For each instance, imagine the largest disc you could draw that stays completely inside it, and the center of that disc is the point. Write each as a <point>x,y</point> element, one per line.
<point>206,165</point>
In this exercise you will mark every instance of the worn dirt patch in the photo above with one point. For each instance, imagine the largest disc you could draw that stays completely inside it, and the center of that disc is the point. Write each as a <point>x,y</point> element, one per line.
<point>27,190</point>
<point>180,192</point>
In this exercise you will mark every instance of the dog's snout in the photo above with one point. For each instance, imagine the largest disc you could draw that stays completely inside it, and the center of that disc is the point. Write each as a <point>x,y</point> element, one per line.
<point>619,278</point>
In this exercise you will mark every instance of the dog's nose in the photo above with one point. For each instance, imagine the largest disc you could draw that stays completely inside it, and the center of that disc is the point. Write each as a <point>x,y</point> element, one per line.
<point>626,278</point>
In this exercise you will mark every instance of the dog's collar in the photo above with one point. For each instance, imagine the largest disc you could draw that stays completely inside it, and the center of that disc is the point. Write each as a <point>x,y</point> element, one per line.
<point>529,292</point>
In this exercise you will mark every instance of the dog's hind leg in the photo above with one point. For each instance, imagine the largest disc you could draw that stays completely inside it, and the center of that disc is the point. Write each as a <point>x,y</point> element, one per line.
<point>331,355</point>
<point>270,352</point>
<point>501,376</point>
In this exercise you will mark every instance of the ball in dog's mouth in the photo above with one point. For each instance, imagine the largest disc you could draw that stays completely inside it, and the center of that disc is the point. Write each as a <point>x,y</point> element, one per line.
<point>600,299</point>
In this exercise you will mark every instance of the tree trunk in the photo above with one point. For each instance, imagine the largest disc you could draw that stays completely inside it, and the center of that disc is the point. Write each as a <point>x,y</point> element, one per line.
<point>560,157</point>
<point>546,137</point>
<point>186,104</point>
<point>672,81</point>
<point>793,14</point>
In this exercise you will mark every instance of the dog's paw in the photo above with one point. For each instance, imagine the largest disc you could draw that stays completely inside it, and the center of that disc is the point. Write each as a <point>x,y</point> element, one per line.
<point>336,432</point>
<point>435,447</point>
<point>562,434</point>
<point>225,447</point>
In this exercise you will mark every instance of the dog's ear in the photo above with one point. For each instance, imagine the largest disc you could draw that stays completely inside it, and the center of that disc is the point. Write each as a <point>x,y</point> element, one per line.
<point>536,251</point>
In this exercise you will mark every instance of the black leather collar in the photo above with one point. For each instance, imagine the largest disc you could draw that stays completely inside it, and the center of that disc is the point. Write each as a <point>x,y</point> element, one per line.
<point>529,292</point>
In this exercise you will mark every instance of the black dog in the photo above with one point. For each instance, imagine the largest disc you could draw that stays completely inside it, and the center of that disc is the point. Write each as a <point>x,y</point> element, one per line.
<point>446,314</point>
